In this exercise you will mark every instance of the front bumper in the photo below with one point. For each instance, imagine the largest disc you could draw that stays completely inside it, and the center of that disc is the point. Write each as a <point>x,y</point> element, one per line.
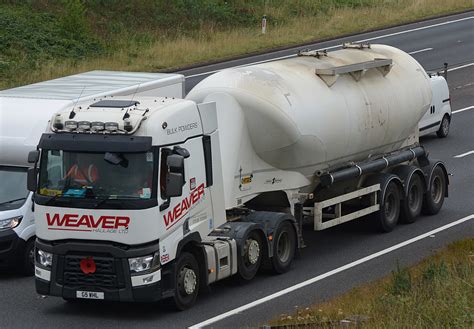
<point>12,249</point>
<point>112,276</point>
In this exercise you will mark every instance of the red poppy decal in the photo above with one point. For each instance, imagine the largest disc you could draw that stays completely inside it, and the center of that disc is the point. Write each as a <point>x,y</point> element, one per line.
<point>88,265</point>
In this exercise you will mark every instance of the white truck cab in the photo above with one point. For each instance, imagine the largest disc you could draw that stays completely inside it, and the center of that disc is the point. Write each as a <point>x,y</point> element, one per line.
<point>24,115</point>
<point>438,118</point>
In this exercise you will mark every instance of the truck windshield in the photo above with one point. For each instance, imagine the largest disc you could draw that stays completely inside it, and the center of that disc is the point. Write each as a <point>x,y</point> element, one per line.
<point>13,190</point>
<point>104,176</point>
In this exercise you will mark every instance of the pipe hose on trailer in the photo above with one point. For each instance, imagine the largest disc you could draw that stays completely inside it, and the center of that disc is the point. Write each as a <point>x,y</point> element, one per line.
<point>376,165</point>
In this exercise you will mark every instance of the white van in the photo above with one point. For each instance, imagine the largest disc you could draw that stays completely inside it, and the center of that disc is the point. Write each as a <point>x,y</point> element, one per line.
<point>24,115</point>
<point>438,118</point>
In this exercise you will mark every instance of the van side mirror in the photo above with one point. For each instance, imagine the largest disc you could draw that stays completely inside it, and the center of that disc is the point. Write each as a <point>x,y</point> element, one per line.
<point>31,180</point>
<point>33,156</point>
<point>174,185</point>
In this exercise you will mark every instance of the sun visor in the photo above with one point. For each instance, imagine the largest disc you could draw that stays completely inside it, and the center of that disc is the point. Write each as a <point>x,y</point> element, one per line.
<point>95,143</point>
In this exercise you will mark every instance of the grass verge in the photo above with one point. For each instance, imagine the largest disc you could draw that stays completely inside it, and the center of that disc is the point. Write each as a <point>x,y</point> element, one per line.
<point>437,293</point>
<point>63,40</point>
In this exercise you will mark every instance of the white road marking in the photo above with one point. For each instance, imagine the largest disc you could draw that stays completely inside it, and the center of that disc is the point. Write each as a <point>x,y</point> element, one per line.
<point>460,67</point>
<point>464,154</point>
<point>463,109</point>
<point>328,274</point>
<point>337,46</point>
<point>420,51</point>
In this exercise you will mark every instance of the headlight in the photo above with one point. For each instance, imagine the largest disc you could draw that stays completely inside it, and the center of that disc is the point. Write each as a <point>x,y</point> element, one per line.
<point>144,263</point>
<point>44,258</point>
<point>10,222</point>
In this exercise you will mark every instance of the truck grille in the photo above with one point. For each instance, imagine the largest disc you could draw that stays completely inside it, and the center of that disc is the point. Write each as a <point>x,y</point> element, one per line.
<point>105,275</point>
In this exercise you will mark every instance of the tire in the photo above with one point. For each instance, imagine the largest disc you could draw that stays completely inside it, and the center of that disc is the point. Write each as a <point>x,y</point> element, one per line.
<point>434,196</point>
<point>250,257</point>
<point>284,247</point>
<point>28,265</point>
<point>389,213</point>
<point>444,127</point>
<point>413,202</point>
<point>186,286</point>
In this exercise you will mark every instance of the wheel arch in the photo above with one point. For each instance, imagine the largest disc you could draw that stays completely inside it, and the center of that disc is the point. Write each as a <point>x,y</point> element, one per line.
<point>269,222</point>
<point>405,173</point>
<point>191,244</point>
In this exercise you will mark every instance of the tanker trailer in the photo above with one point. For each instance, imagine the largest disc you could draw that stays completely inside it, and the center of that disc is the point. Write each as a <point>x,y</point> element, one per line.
<point>329,137</point>
<point>189,192</point>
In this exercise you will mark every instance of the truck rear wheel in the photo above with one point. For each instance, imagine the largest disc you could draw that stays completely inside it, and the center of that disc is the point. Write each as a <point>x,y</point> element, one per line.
<point>389,211</point>
<point>434,196</point>
<point>251,256</point>
<point>284,247</point>
<point>411,205</point>
<point>186,281</point>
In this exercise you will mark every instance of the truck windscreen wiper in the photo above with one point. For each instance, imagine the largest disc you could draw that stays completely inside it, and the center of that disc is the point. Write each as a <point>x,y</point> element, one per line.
<point>11,201</point>
<point>53,198</point>
<point>101,201</point>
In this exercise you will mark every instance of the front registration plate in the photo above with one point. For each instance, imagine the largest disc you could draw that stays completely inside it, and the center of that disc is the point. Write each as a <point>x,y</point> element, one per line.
<point>90,294</point>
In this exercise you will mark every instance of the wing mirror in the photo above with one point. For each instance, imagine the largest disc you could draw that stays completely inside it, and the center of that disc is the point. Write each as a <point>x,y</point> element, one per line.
<point>174,185</point>
<point>33,156</point>
<point>31,180</point>
<point>174,177</point>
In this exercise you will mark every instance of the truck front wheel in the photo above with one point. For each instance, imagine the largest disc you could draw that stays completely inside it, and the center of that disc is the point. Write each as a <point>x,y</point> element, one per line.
<point>186,282</point>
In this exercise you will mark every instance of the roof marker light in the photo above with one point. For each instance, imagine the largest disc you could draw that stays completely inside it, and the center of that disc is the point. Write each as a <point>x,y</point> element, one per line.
<point>97,126</point>
<point>58,124</point>
<point>83,125</point>
<point>70,125</point>
<point>111,126</point>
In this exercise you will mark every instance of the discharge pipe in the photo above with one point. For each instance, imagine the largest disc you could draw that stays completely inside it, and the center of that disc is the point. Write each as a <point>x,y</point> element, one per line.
<point>372,166</point>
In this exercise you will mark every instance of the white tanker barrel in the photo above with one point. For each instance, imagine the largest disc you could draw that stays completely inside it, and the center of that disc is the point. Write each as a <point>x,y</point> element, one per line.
<point>317,112</point>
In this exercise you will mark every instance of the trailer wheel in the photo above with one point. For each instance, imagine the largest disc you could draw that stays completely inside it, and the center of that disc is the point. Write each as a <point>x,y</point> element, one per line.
<point>251,256</point>
<point>187,281</point>
<point>434,196</point>
<point>411,205</point>
<point>389,208</point>
<point>444,127</point>
<point>284,247</point>
<point>28,266</point>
